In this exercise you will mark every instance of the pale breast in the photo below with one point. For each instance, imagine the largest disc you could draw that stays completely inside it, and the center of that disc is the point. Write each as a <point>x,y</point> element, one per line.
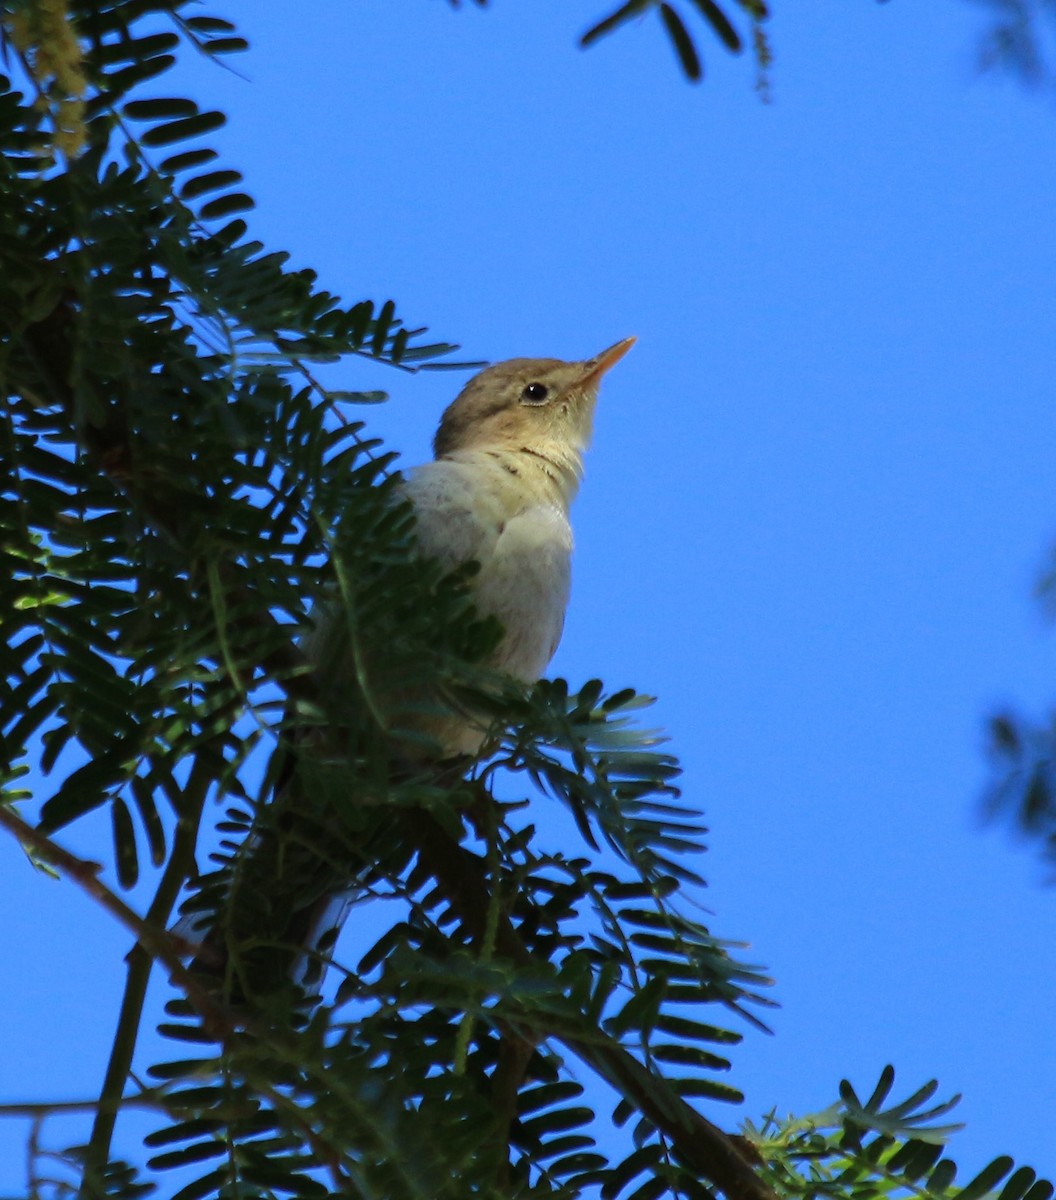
<point>522,540</point>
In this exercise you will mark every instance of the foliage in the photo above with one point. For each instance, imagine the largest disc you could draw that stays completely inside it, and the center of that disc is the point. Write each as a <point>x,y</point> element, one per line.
<point>861,1148</point>
<point>1024,779</point>
<point>181,493</point>
<point>715,17</point>
<point>682,40</point>
<point>1018,41</point>
<point>1023,761</point>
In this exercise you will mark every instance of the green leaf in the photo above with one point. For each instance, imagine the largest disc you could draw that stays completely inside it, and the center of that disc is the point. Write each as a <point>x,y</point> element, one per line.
<point>200,1152</point>
<point>683,43</point>
<point>126,860</point>
<point>187,159</point>
<point>137,50</point>
<point>183,129</point>
<point>718,20</point>
<point>614,20</point>
<point>205,24</point>
<point>212,182</point>
<point>880,1092</point>
<point>152,110</point>
<point>83,790</point>
<point>224,206</point>
<point>1042,1190</point>
<point>1018,1184</point>
<point>208,1185</point>
<point>987,1179</point>
<point>382,326</point>
<point>143,794</point>
<point>226,45</point>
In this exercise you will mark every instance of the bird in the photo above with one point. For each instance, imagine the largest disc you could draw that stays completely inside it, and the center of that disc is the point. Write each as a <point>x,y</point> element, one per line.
<point>508,462</point>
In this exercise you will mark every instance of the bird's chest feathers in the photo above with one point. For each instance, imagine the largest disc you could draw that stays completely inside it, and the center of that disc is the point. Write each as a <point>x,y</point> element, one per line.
<point>514,522</point>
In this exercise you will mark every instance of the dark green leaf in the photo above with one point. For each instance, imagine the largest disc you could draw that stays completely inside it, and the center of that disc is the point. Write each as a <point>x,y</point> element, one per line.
<point>1018,1184</point>
<point>200,1152</point>
<point>182,130</point>
<point>203,24</point>
<point>126,860</point>
<point>718,20</point>
<point>987,1179</point>
<point>208,1185</point>
<point>624,13</point>
<point>683,43</point>
<point>212,182</point>
<point>224,206</point>
<point>227,45</point>
<point>152,110</point>
<point>137,50</point>
<point>187,159</point>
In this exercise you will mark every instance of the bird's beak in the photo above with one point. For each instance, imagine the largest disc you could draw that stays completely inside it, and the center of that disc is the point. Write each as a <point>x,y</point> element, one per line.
<point>595,367</point>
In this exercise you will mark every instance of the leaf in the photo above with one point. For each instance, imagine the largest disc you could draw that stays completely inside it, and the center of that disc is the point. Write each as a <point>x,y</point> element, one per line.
<point>187,159</point>
<point>138,49</point>
<point>208,1184</point>
<point>183,1131</point>
<point>151,110</point>
<point>224,206</point>
<point>718,20</point>
<point>211,182</point>
<point>345,397</point>
<point>126,861</point>
<point>987,1179</point>
<point>200,1152</point>
<point>83,790</point>
<point>880,1092</point>
<point>226,45</point>
<point>382,327</point>
<point>1018,1184</point>
<point>183,129</point>
<point>143,795</point>
<point>683,43</point>
<point>615,19</point>
<point>124,79</point>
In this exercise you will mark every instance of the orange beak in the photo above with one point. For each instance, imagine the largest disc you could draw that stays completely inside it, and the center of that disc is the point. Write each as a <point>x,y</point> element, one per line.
<point>595,367</point>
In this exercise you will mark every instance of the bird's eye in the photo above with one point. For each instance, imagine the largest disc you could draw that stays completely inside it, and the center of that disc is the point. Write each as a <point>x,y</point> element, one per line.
<point>535,393</point>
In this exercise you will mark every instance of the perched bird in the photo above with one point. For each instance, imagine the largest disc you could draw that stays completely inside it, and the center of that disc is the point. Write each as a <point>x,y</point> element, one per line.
<point>509,460</point>
<point>508,463</point>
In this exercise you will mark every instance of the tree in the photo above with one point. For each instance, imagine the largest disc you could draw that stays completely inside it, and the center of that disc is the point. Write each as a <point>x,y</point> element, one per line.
<point>181,491</point>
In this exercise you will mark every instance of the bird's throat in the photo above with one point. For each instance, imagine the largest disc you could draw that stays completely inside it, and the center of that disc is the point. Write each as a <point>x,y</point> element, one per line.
<point>550,473</point>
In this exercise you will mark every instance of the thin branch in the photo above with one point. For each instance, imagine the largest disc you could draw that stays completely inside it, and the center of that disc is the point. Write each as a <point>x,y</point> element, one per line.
<point>54,1108</point>
<point>167,948</point>
<point>140,961</point>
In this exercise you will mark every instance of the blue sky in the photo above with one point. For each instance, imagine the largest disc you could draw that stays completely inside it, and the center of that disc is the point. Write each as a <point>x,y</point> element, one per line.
<point>819,496</point>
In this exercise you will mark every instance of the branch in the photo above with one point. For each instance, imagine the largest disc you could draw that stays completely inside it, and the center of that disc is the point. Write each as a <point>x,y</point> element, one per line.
<point>696,1141</point>
<point>168,949</point>
<point>140,962</point>
<point>52,1108</point>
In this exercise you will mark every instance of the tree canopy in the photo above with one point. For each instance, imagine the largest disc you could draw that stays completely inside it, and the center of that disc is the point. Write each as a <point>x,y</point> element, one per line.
<point>180,491</point>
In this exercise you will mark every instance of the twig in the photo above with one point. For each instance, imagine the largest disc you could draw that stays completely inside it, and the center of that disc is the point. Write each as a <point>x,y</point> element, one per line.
<point>140,961</point>
<point>54,1108</point>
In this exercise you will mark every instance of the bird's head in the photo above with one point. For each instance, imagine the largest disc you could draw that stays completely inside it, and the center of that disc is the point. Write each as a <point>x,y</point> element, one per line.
<point>541,405</point>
